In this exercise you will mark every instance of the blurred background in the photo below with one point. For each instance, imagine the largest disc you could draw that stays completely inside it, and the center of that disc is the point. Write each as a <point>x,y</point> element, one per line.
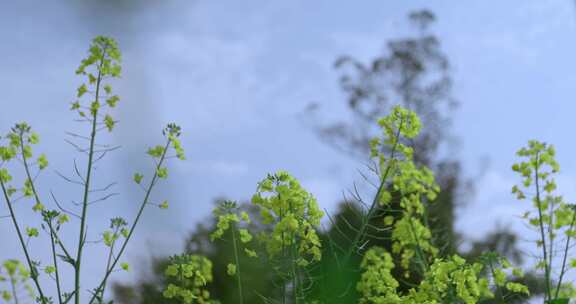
<point>259,86</point>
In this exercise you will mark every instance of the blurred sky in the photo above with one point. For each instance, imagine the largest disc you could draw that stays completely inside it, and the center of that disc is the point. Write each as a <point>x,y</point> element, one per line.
<point>237,74</point>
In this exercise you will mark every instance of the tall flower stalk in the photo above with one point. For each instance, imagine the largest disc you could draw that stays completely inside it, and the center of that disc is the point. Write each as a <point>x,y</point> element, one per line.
<point>94,104</point>
<point>19,147</point>
<point>293,244</point>
<point>400,178</point>
<point>440,279</point>
<point>553,216</point>
<point>232,219</point>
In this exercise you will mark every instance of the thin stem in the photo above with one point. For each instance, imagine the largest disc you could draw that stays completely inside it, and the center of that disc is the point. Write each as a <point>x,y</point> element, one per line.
<point>294,271</point>
<point>551,252</point>
<point>55,261</point>
<point>281,216</point>
<point>63,248</point>
<point>563,271</point>
<point>37,199</point>
<point>237,261</point>
<point>133,227</point>
<point>33,270</point>
<point>423,262</point>
<point>13,286</point>
<point>498,288</point>
<point>27,168</point>
<point>110,254</point>
<point>542,234</point>
<point>294,274</point>
<point>82,236</point>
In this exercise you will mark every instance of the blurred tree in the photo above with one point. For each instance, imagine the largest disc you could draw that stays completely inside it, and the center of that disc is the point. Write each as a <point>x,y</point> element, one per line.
<point>415,73</point>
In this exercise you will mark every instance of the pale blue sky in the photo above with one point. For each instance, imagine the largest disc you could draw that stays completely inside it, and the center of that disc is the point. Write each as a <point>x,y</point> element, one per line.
<point>236,74</point>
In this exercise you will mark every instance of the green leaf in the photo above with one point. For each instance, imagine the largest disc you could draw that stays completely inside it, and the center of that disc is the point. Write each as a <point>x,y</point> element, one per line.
<point>138,178</point>
<point>231,269</point>
<point>92,79</point>
<point>112,101</point>
<point>63,218</point>
<point>109,122</point>
<point>49,269</point>
<point>82,90</point>
<point>6,296</point>
<point>125,232</point>
<point>162,172</point>
<point>5,175</point>
<point>108,237</point>
<point>245,236</point>
<point>94,107</point>
<point>34,138</point>
<point>11,190</point>
<point>42,162</point>
<point>115,71</point>
<point>251,253</point>
<point>156,152</point>
<point>32,232</point>
<point>38,207</point>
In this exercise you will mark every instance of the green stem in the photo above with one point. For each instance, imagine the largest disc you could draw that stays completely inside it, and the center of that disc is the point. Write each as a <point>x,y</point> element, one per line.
<point>63,248</point>
<point>37,199</point>
<point>498,288</point>
<point>54,261</point>
<point>551,252</point>
<point>27,169</point>
<point>33,270</point>
<point>133,227</point>
<point>82,236</point>
<point>13,286</point>
<point>237,261</point>
<point>295,274</point>
<point>423,262</point>
<point>542,234</point>
<point>281,216</point>
<point>563,271</point>
<point>110,254</point>
<point>294,281</point>
<point>294,267</point>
